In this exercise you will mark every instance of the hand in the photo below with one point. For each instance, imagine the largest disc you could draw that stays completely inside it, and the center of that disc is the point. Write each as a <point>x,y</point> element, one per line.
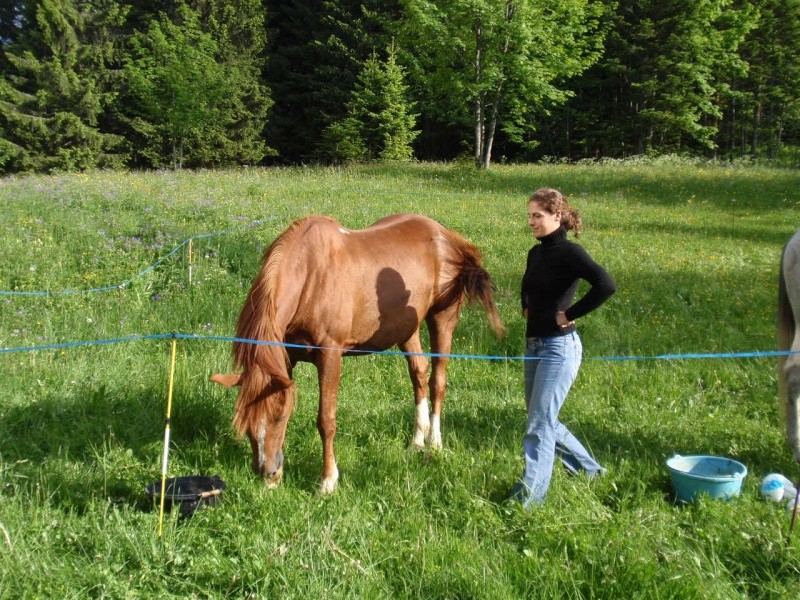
<point>562,321</point>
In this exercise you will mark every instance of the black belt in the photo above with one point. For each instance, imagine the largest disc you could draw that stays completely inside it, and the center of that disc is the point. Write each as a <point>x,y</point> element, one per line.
<point>560,333</point>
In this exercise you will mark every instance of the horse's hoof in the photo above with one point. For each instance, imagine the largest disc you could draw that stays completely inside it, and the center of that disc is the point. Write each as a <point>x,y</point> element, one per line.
<point>329,483</point>
<point>328,487</point>
<point>435,442</point>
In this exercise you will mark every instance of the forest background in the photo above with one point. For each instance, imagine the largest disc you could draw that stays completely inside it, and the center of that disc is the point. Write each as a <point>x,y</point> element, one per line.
<point>88,84</point>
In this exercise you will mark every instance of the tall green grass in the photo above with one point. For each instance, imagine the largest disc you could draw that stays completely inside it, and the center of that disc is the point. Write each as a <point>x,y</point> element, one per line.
<point>694,249</point>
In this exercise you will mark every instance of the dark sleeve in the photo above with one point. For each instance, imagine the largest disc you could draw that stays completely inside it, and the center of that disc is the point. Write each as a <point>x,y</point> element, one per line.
<point>525,283</point>
<point>602,284</point>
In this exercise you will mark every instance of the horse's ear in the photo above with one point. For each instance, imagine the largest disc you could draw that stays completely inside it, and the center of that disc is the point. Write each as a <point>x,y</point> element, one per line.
<point>227,380</point>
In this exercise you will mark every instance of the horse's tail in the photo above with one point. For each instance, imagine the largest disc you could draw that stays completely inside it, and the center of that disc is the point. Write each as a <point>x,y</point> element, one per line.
<point>472,280</point>
<point>266,365</point>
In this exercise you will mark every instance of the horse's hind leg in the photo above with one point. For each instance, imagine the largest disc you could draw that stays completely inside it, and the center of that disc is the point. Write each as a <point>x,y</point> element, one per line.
<point>417,370</point>
<point>441,326</point>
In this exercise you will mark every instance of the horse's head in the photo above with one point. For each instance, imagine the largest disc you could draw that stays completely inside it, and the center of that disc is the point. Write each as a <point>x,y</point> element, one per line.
<point>263,409</point>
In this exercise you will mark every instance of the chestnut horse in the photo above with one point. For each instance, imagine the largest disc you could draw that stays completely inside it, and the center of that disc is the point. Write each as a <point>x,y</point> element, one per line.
<point>789,339</point>
<point>325,292</point>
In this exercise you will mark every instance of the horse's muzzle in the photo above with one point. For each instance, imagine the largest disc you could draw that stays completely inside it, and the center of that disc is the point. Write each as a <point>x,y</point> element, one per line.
<point>277,468</point>
<point>272,479</point>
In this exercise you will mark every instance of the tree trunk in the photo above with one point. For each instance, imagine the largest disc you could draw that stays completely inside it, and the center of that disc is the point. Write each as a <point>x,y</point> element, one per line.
<point>478,132</point>
<point>489,140</point>
<point>479,97</point>
<point>732,131</point>
<point>756,128</point>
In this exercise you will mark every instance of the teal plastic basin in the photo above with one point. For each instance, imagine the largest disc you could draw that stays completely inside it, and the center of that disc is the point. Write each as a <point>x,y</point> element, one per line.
<point>714,476</point>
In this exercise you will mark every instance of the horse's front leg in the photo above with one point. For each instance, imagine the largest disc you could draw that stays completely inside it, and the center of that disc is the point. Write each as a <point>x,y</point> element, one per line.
<point>417,370</point>
<point>329,372</point>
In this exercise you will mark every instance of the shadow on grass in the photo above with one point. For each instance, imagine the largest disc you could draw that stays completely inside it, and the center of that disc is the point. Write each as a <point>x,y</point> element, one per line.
<point>97,443</point>
<point>726,227</point>
<point>635,456</point>
<point>100,444</point>
<point>659,185</point>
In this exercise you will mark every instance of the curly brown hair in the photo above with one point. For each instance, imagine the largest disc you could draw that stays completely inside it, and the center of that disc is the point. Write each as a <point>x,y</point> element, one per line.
<point>553,201</point>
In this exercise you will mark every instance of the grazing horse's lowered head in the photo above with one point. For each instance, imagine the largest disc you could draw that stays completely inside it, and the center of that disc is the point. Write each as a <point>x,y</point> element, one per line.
<point>789,339</point>
<point>325,292</point>
<point>264,406</point>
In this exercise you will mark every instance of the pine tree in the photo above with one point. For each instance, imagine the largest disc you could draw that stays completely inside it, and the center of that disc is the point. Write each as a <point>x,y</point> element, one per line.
<point>379,124</point>
<point>176,89</point>
<point>238,28</point>
<point>396,121</point>
<point>52,96</point>
<point>317,48</point>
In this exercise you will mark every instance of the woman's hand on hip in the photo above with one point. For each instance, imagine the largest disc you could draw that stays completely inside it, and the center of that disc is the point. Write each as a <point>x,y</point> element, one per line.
<point>562,320</point>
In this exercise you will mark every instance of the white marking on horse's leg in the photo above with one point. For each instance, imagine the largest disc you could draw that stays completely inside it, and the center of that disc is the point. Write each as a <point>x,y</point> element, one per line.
<point>423,424</point>
<point>344,231</point>
<point>329,484</point>
<point>435,439</point>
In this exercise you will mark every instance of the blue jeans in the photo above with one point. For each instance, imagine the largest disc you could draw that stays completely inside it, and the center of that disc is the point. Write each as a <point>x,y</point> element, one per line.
<point>548,378</point>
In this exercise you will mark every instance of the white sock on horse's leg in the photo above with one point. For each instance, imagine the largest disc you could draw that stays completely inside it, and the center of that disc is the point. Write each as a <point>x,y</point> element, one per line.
<point>423,424</point>
<point>435,439</point>
<point>329,484</point>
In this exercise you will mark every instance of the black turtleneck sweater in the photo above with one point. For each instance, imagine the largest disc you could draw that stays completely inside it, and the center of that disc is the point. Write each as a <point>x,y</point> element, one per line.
<point>554,268</point>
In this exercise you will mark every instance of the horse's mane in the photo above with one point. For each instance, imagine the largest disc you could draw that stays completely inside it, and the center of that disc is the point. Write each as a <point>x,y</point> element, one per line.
<point>266,366</point>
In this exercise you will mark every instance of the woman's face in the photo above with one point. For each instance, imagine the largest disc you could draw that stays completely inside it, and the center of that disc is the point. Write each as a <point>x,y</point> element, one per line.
<point>541,222</point>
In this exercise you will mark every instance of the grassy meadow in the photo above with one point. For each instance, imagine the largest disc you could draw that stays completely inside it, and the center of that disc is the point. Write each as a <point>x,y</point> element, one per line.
<point>694,249</point>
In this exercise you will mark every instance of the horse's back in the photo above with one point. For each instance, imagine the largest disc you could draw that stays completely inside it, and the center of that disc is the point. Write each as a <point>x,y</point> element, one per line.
<point>400,232</point>
<point>407,243</point>
<point>369,287</point>
<point>352,287</point>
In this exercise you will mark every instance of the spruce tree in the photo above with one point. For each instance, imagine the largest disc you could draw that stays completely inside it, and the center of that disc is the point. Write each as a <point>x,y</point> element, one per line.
<point>52,96</point>
<point>238,27</point>
<point>176,90</point>
<point>379,124</point>
<point>317,48</point>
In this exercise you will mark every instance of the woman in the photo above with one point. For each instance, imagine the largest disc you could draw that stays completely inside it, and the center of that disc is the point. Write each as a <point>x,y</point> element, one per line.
<point>553,353</point>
